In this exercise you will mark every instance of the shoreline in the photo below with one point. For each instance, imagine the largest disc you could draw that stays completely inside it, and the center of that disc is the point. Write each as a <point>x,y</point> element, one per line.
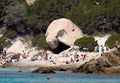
<point>107,63</point>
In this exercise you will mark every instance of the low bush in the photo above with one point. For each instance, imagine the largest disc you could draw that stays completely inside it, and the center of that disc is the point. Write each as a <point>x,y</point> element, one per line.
<point>86,42</point>
<point>112,39</point>
<point>40,42</point>
<point>4,42</point>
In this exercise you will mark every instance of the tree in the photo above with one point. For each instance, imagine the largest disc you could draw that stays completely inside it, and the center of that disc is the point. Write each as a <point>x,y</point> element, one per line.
<point>86,42</point>
<point>112,39</point>
<point>92,18</point>
<point>40,41</point>
<point>4,42</point>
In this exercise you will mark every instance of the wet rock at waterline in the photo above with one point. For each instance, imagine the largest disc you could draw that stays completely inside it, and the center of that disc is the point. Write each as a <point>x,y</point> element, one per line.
<point>43,70</point>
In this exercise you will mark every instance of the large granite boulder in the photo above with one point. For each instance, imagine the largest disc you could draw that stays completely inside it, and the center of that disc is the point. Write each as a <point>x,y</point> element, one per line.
<point>62,30</point>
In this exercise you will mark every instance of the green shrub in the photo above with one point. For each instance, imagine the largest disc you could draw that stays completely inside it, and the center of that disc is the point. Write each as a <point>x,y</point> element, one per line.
<point>4,42</point>
<point>111,40</point>
<point>40,42</point>
<point>86,42</point>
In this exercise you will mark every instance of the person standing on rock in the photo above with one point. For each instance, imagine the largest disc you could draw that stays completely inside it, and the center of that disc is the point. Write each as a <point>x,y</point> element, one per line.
<point>107,48</point>
<point>24,55</point>
<point>75,54</point>
<point>102,48</point>
<point>97,48</point>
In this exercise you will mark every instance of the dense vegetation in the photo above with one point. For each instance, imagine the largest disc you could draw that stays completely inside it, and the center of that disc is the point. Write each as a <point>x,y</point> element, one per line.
<point>86,42</point>
<point>92,16</point>
<point>4,42</point>
<point>113,40</point>
<point>39,41</point>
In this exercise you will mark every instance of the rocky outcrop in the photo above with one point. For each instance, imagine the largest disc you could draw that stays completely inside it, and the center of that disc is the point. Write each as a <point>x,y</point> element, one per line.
<point>108,63</point>
<point>112,70</point>
<point>62,30</point>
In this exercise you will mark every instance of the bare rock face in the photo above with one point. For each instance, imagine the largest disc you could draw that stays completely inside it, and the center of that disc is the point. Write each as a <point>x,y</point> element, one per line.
<point>62,30</point>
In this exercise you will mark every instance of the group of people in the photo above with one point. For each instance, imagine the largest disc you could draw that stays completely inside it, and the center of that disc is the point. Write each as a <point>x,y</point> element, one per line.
<point>7,57</point>
<point>102,48</point>
<point>42,55</point>
<point>76,56</point>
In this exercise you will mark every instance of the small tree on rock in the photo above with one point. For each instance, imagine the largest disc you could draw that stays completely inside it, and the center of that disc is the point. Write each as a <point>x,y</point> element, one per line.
<point>86,42</point>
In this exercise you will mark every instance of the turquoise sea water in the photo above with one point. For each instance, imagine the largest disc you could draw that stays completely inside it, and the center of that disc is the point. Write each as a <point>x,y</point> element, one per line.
<point>13,76</point>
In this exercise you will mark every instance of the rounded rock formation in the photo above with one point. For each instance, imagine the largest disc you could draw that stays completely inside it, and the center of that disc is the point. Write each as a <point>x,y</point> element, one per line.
<point>62,30</point>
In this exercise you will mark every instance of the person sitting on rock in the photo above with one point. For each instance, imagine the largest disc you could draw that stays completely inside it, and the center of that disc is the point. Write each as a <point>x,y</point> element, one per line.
<point>71,60</point>
<point>84,56</point>
<point>24,55</point>
<point>97,48</point>
<point>44,54</point>
<point>107,48</point>
<point>66,62</point>
<point>34,58</point>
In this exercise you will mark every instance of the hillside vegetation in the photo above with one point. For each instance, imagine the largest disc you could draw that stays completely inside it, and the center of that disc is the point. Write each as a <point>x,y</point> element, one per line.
<point>94,17</point>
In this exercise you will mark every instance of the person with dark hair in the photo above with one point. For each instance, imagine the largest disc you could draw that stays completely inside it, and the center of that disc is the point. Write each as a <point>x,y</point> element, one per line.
<point>107,48</point>
<point>71,60</point>
<point>44,53</point>
<point>23,55</point>
<point>4,53</point>
<point>75,54</point>
<point>97,49</point>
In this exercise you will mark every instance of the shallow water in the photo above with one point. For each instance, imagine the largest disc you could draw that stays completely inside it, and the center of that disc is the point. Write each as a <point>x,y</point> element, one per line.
<point>13,76</point>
